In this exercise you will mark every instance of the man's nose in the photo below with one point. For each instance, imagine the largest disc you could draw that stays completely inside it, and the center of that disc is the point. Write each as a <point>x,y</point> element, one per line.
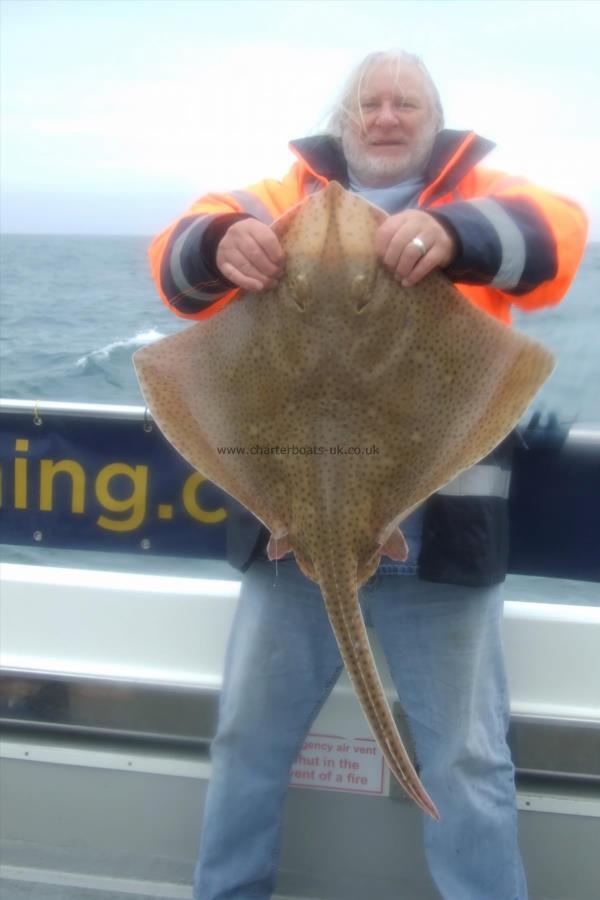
<point>387,114</point>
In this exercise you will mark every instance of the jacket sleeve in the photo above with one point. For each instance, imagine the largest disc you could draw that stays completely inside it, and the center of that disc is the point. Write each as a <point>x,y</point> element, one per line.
<point>520,239</point>
<point>182,256</point>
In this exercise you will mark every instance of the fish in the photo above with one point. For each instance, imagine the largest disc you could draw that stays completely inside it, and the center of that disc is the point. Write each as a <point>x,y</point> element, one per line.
<point>332,405</point>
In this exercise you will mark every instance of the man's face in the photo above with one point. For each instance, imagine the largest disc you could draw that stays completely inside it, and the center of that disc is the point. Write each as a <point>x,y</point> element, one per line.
<point>392,139</point>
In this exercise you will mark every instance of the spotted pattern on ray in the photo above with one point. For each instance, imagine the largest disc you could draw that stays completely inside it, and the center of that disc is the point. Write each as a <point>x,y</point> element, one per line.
<point>341,354</point>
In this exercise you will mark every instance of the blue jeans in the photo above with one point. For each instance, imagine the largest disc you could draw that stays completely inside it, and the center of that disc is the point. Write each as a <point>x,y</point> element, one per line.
<point>443,646</point>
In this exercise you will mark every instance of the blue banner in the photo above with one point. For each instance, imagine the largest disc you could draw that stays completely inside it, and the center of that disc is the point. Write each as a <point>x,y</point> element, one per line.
<point>104,484</point>
<point>92,482</point>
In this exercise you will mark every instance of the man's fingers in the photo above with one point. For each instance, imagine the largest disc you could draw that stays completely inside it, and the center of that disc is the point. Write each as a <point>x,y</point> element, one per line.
<point>249,234</point>
<point>406,260</point>
<point>250,255</point>
<point>385,233</point>
<point>424,266</point>
<point>269,243</point>
<point>247,275</point>
<point>400,255</point>
<point>255,253</point>
<point>241,279</point>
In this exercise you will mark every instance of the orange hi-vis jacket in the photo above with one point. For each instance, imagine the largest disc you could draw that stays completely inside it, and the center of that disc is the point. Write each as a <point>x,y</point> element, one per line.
<point>517,243</point>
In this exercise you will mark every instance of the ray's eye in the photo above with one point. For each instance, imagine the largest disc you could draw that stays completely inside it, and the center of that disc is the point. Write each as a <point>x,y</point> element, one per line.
<point>360,292</point>
<point>299,291</point>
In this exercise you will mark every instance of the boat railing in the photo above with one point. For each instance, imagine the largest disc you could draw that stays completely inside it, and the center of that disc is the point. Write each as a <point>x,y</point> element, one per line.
<point>133,657</point>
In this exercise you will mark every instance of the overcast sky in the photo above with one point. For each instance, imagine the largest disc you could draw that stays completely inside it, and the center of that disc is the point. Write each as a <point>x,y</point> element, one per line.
<point>116,114</point>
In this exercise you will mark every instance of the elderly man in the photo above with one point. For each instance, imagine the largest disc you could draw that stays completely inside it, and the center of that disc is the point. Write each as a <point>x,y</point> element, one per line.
<point>438,617</point>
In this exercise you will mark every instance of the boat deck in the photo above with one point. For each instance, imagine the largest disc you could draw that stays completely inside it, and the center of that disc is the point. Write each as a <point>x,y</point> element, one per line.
<point>11,889</point>
<point>25,889</point>
<point>46,888</point>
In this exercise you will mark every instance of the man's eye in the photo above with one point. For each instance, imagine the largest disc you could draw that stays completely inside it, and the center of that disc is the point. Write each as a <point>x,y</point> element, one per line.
<point>369,104</point>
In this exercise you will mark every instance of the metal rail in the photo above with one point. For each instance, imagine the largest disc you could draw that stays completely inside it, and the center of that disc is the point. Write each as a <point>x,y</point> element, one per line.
<point>588,433</point>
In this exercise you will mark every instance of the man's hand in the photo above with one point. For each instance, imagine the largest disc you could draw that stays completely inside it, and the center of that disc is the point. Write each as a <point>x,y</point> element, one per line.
<point>250,255</point>
<point>406,261</point>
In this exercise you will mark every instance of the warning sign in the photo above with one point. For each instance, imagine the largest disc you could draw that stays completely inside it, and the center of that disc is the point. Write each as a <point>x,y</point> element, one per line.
<point>333,763</point>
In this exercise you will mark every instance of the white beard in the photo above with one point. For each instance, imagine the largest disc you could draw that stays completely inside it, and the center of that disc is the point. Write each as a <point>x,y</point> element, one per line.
<point>384,170</point>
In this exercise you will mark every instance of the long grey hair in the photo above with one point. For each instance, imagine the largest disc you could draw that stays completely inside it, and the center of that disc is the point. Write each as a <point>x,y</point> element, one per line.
<point>348,103</point>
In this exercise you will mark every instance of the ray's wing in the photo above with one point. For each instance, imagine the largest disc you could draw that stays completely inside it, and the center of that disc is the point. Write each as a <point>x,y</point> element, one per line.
<point>196,384</point>
<point>467,379</point>
<point>224,392</point>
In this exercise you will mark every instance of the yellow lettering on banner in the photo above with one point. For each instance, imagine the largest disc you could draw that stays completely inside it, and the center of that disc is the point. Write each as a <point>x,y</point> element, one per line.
<point>21,477</point>
<point>136,502</point>
<point>193,508</point>
<point>20,484</point>
<point>48,469</point>
<point>21,446</point>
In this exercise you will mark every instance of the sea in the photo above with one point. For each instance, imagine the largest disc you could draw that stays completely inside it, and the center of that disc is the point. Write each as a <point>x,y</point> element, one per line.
<point>74,308</point>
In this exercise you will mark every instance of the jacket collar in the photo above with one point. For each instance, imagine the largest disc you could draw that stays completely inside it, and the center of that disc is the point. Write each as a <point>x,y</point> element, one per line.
<point>454,154</point>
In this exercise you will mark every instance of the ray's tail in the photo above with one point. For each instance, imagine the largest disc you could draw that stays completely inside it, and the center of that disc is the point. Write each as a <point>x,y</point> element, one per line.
<point>338,587</point>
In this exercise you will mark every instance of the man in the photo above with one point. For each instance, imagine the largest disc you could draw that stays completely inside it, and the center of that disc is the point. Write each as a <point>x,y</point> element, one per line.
<point>503,241</point>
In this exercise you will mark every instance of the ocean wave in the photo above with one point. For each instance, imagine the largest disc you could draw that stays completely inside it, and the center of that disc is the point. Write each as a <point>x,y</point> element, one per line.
<point>138,340</point>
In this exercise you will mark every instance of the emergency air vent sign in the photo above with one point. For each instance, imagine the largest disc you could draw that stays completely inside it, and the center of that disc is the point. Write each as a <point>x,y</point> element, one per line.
<point>334,763</point>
